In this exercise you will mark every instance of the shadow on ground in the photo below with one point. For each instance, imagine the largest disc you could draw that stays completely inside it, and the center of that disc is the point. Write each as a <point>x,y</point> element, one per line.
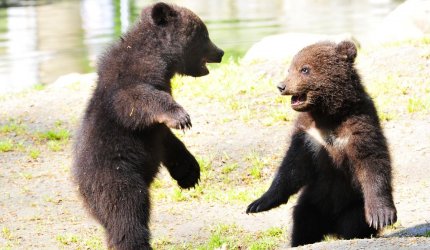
<point>418,230</point>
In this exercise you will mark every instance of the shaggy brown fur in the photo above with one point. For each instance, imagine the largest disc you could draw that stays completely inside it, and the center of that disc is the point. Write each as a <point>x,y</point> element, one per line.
<point>338,153</point>
<point>125,132</point>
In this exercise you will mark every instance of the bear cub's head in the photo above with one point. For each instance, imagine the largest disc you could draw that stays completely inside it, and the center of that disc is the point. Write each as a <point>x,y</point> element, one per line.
<point>322,77</point>
<point>184,35</point>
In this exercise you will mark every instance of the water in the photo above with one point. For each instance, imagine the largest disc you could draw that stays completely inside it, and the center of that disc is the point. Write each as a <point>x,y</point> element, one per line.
<point>42,40</point>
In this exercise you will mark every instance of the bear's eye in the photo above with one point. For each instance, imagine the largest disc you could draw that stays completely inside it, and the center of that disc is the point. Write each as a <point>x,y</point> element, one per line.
<point>305,70</point>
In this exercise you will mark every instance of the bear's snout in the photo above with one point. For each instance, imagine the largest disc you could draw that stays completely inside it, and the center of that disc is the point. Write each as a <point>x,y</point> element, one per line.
<point>281,87</point>
<point>215,54</point>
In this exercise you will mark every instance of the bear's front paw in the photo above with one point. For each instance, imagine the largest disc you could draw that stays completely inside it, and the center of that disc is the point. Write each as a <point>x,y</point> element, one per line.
<point>177,119</point>
<point>264,203</point>
<point>379,215</point>
<point>190,176</point>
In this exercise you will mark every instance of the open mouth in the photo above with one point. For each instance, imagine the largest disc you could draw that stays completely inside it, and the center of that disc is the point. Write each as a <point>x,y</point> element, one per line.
<point>298,100</point>
<point>211,58</point>
<point>207,60</point>
<point>203,67</point>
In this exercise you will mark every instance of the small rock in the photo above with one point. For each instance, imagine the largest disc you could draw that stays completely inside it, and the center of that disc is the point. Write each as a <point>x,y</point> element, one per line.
<point>410,20</point>
<point>282,47</point>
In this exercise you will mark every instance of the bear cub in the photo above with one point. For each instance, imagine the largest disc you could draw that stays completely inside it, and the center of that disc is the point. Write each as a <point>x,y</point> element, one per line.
<point>125,133</point>
<point>338,154</point>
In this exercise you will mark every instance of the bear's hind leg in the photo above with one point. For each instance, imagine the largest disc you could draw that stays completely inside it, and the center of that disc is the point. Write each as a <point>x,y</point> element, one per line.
<point>309,225</point>
<point>122,205</point>
<point>352,224</point>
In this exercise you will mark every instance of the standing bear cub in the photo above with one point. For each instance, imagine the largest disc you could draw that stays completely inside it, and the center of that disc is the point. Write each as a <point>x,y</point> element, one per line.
<point>338,153</point>
<point>125,134</point>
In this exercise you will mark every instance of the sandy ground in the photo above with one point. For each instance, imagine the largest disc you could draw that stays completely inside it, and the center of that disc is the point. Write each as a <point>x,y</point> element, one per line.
<point>39,205</point>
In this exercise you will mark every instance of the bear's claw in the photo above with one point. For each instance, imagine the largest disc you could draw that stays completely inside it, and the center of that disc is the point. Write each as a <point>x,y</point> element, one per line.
<point>260,205</point>
<point>178,119</point>
<point>379,217</point>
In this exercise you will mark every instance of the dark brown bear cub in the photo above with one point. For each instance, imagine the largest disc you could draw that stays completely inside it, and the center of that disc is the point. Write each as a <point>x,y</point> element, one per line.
<point>338,154</point>
<point>125,135</point>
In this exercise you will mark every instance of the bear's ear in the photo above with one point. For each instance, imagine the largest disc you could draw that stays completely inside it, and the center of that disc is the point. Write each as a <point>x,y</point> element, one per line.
<point>162,13</point>
<point>348,50</point>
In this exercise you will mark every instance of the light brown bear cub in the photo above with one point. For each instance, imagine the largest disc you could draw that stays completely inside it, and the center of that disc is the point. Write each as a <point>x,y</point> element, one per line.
<point>338,154</point>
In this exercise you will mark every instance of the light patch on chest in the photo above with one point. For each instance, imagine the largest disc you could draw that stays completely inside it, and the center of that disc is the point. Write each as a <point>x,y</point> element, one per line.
<point>341,142</point>
<point>318,140</point>
<point>314,141</point>
<point>316,135</point>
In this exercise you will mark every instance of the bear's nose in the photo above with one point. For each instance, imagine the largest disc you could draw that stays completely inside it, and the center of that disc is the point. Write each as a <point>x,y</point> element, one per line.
<point>220,53</point>
<point>281,86</point>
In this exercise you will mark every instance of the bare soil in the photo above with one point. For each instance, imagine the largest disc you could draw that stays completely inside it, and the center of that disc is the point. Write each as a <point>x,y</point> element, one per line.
<point>39,206</point>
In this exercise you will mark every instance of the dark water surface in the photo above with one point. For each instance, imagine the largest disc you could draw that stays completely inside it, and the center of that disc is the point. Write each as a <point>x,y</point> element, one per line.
<point>42,40</point>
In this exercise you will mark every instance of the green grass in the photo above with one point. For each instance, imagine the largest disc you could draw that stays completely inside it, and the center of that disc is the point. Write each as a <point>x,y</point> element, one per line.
<point>216,182</point>
<point>257,165</point>
<point>328,238</point>
<point>67,239</point>
<point>56,146</point>
<point>394,226</point>
<point>55,134</point>
<point>13,127</point>
<point>56,139</point>
<point>27,176</point>
<point>427,234</point>
<point>395,97</point>
<point>26,190</point>
<point>6,145</point>
<point>39,87</point>
<point>386,116</point>
<point>228,168</point>
<point>80,242</point>
<point>240,92</point>
<point>178,195</point>
<point>34,153</point>
<point>425,40</point>
<point>93,242</point>
<point>415,105</point>
<point>6,233</point>
<point>8,239</point>
<point>232,236</point>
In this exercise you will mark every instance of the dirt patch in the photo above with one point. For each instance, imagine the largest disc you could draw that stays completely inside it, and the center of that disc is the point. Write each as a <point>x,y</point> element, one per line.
<point>39,208</point>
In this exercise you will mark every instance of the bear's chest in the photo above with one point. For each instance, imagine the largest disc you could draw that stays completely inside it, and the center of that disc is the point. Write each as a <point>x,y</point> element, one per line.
<point>334,144</point>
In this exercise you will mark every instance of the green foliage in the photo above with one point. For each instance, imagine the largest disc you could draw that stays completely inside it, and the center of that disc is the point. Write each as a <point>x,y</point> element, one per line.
<point>257,165</point>
<point>80,242</point>
<point>178,195</point>
<point>234,237</point>
<point>27,176</point>
<point>56,146</point>
<point>6,145</point>
<point>418,104</point>
<point>228,168</point>
<point>425,40</point>
<point>386,116</point>
<point>6,233</point>
<point>39,86</point>
<point>94,242</point>
<point>241,92</point>
<point>55,135</point>
<point>13,127</point>
<point>67,239</point>
<point>8,239</point>
<point>328,238</point>
<point>56,138</point>
<point>34,153</point>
